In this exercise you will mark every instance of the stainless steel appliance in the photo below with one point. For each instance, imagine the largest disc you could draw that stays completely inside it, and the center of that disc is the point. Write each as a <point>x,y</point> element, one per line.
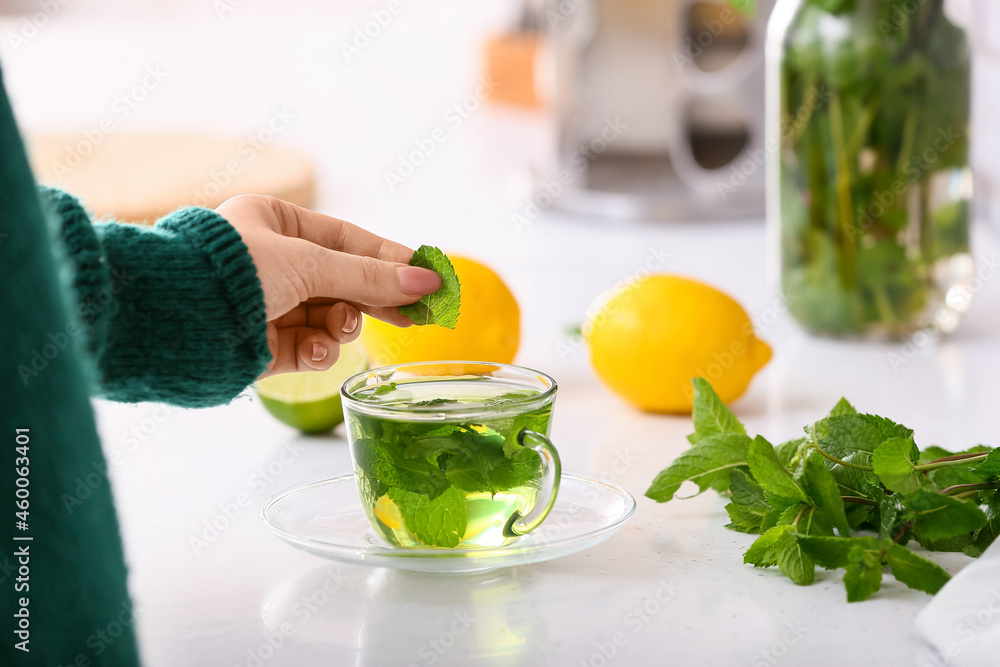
<point>659,105</point>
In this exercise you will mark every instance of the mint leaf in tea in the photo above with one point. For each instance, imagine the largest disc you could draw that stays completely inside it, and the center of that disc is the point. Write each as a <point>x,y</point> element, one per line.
<point>429,479</point>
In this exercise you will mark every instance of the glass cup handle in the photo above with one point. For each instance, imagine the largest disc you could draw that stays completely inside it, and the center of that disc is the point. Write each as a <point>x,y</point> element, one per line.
<point>551,476</point>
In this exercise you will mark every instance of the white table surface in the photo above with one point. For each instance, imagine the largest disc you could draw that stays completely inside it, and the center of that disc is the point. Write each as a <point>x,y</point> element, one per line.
<point>173,470</point>
<point>214,606</point>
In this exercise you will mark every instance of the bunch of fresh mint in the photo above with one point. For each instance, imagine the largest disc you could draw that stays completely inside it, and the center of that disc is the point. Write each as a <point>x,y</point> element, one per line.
<point>851,472</point>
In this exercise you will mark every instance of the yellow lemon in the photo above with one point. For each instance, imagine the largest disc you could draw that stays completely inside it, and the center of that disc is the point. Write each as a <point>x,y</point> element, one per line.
<point>650,337</point>
<point>310,401</point>
<point>488,329</point>
<point>388,513</point>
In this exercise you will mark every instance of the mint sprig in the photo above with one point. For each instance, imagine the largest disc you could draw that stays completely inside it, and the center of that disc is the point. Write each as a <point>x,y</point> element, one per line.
<point>849,496</point>
<point>441,307</point>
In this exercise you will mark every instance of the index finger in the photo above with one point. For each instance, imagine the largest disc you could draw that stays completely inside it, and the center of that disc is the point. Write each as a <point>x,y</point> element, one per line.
<point>337,234</point>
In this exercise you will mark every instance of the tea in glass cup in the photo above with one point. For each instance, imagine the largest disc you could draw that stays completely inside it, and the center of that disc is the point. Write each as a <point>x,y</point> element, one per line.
<point>452,454</point>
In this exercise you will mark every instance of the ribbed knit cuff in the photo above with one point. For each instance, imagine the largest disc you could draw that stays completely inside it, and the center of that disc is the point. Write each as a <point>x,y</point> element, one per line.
<point>224,248</point>
<point>172,313</point>
<point>89,276</point>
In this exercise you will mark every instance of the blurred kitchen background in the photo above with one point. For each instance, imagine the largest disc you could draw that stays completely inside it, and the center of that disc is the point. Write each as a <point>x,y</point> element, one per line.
<point>498,129</point>
<point>364,82</point>
<point>675,88</point>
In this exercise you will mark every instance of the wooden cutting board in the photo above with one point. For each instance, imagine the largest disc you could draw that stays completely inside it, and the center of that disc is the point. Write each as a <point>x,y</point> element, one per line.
<point>139,177</point>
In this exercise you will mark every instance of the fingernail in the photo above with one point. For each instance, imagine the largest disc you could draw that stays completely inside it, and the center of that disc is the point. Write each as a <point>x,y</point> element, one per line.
<point>415,280</point>
<point>270,347</point>
<point>350,322</point>
<point>319,352</point>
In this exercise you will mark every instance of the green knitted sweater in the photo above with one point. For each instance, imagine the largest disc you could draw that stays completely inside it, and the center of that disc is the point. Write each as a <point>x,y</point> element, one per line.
<point>171,313</point>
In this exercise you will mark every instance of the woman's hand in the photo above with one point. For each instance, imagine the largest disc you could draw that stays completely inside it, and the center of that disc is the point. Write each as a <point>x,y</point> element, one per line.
<point>319,274</point>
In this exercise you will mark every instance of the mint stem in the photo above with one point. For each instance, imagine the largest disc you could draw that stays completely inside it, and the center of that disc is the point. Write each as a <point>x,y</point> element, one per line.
<point>902,531</point>
<point>962,488</point>
<point>846,464</point>
<point>958,457</point>
<point>951,461</point>
<point>859,501</point>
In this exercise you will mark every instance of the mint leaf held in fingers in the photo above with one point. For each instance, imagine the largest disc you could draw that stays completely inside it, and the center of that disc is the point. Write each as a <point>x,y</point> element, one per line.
<point>441,307</point>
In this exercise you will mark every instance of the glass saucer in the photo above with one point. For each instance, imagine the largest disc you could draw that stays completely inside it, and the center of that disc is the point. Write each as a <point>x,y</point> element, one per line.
<point>326,518</point>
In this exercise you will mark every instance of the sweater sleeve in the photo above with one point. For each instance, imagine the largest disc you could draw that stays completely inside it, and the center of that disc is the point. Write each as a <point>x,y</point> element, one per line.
<point>171,313</point>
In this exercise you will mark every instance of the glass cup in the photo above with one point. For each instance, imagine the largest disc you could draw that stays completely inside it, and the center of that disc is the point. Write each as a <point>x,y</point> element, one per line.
<point>452,454</point>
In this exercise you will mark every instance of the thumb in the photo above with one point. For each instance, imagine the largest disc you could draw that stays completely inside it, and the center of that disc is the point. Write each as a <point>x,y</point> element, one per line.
<point>365,280</point>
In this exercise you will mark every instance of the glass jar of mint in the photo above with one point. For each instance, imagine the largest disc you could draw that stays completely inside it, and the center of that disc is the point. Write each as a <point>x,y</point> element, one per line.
<point>869,185</point>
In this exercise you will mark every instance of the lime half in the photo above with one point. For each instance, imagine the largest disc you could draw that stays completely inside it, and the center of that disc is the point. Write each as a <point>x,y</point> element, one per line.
<point>310,401</point>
